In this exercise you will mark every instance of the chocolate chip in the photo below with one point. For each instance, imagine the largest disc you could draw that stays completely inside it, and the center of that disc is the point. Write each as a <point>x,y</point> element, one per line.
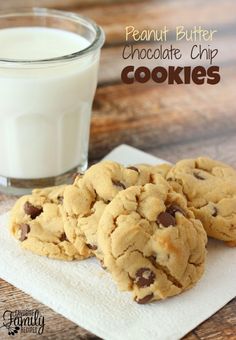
<point>60,199</point>
<point>92,246</point>
<point>144,277</point>
<point>25,229</point>
<point>172,209</point>
<point>118,184</point>
<point>31,210</point>
<point>63,237</point>
<point>145,299</point>
<point>215,212</point>
<point>133,168</point>
<point>166,219</point>
<point>198,176</point>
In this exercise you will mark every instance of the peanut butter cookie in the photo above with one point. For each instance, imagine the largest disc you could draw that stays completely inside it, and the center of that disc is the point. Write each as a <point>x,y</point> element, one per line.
<point>210,189</point>
<point>36,221</point>
<point>85,200</point>
<point>151,242</point>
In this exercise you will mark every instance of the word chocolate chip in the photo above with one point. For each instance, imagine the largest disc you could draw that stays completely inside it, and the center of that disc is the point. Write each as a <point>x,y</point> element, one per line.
<point>31,210</point>
<point>25,229</point>
<point>172,209</point>
<point>144,277</point>
<point>198,176</point>
<point>118,184</point>
<point>145,299</point>
<point>166,219</point>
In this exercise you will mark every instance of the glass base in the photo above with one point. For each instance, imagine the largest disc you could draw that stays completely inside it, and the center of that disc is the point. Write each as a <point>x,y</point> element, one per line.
<point>18,186</point>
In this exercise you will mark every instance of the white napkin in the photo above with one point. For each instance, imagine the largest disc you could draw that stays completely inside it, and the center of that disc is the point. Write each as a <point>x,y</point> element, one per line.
<point>86,294</point>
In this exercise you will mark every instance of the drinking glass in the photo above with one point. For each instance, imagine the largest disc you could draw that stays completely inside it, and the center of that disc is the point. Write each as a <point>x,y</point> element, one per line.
<point>45,104</point>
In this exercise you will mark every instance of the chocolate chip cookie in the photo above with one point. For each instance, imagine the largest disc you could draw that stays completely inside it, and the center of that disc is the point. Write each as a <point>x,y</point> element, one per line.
<point>85,200</point>
<point>36,221</point>
<point>151,242</point>
<point>210,189</point>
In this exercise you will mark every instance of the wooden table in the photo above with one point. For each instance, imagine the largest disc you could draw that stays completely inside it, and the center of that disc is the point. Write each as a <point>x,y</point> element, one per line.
<point>171,122</point>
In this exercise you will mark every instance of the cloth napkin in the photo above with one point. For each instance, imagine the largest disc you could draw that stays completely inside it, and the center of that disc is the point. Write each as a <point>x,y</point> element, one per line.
<point>86,294</point>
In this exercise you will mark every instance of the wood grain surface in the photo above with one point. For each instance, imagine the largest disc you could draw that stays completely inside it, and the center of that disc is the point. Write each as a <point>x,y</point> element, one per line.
<point>171,122</point>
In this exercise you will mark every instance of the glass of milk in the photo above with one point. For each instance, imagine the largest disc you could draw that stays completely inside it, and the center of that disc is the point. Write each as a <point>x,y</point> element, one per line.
<point>48,76</point>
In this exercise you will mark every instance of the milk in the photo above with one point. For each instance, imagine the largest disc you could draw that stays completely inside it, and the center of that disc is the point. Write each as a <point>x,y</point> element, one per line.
<point>45,108</point>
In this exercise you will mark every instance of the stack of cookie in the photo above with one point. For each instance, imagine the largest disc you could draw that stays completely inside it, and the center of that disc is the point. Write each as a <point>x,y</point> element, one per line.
<point>146,224</point>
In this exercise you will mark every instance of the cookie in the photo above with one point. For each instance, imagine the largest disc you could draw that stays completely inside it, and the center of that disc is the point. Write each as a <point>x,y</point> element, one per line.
<point>151,242</point>
<point>53,194</point>
<point>161,169</point>
<point>36,221</point>
<point>210,189</point>
<point>85,200</point>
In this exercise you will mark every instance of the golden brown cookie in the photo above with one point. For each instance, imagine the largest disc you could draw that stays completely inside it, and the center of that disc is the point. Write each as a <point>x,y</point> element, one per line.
<point>151,243</point>
<point>210,189</point>
<point>36,221</point>
<point>85,200</point>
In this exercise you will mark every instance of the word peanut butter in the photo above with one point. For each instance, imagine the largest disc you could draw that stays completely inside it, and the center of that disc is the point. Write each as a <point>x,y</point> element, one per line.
<point>197,33</point>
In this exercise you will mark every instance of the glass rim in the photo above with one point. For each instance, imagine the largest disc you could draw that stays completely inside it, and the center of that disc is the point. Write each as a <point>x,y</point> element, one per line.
<point>36,11</point>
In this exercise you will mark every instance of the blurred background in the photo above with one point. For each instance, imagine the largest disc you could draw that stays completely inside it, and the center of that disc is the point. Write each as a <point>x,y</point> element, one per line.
<point>170,121</point>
